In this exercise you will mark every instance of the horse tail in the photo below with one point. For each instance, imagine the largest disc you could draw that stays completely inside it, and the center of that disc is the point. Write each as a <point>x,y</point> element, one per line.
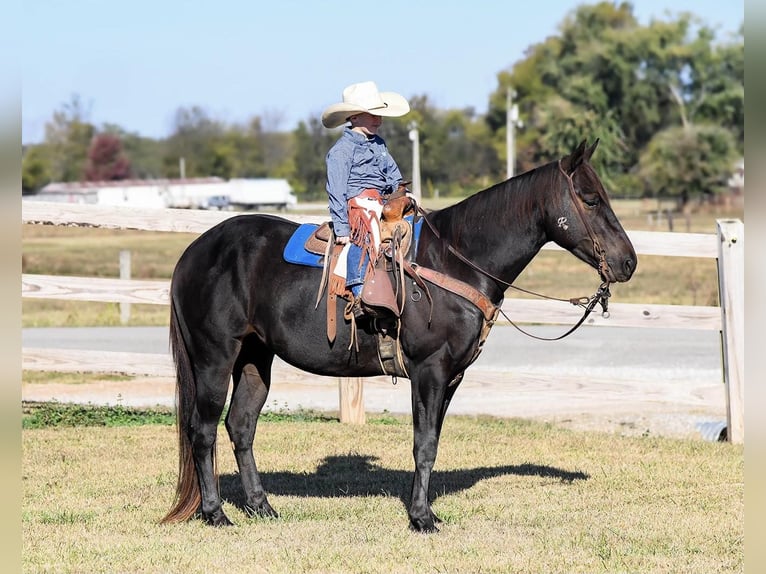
<point>187,496</point>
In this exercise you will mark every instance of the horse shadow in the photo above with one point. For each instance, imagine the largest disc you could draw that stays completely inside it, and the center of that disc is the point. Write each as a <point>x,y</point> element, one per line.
<point>360,475</point>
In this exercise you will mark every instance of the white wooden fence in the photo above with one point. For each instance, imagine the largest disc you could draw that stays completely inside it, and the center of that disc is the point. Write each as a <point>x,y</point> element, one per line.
<point>726,245</point>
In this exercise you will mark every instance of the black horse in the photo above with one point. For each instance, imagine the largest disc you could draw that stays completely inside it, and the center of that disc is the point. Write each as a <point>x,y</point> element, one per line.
<point>236,303</point>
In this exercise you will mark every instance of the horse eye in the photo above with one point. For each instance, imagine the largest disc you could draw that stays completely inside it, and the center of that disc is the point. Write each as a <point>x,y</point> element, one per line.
<point>591,198</point>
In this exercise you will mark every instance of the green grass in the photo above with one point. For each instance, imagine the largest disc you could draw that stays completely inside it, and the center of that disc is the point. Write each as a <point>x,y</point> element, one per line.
<point>36,415</point>
<point>515,496</point>
<point>54,414</point>
<point>41,377</point>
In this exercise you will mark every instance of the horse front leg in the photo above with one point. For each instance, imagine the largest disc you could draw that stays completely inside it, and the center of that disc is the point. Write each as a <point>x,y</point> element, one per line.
<point>430,397</point>
<point>251,387</point>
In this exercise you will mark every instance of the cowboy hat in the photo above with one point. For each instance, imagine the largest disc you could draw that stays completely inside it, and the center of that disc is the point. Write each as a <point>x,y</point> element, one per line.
<point>364,97</point>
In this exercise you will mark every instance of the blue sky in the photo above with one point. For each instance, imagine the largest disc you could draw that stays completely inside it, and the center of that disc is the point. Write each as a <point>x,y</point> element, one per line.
<point>135,63</point>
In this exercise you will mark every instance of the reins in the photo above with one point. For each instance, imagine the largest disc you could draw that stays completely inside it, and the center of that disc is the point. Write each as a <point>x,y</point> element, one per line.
<point>601,295</point>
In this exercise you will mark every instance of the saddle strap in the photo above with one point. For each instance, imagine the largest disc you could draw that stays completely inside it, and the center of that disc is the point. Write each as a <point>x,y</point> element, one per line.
<point>332,300</point>
<point>460,288</point>
<point>332,293</point>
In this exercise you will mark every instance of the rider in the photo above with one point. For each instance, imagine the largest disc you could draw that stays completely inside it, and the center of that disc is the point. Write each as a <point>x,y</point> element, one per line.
<point>361,173</point>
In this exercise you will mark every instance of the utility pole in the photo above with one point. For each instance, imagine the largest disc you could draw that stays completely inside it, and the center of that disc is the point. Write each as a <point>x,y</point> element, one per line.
<point>511,117</point>
<point>415,139</point>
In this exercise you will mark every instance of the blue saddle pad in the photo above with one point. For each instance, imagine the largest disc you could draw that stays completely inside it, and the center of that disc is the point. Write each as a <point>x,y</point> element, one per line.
<point>295,250</point>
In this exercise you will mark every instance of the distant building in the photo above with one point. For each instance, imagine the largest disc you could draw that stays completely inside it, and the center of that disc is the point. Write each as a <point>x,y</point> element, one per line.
<point>191,193</point>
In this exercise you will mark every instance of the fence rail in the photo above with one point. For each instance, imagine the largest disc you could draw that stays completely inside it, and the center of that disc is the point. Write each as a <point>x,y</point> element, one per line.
<point>727,246</point>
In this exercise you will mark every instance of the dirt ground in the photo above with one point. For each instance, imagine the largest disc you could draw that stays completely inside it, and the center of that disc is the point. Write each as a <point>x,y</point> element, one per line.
<point>680,409</point>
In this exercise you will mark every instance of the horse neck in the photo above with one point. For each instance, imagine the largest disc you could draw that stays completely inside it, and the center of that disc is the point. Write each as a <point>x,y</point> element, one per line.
<point>499,230</point>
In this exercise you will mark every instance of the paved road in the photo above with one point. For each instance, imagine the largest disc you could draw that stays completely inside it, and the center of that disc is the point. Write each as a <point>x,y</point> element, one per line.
<point>671,354</point>
<point>661,381</point>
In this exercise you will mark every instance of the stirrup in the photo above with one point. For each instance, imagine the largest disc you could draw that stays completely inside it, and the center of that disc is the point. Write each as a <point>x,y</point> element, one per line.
<point>354,309</point>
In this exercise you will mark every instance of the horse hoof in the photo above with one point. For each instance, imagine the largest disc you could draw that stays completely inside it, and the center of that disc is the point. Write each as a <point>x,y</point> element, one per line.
<point>218,519</point>
<point>424,527</point>
<point>261,511</point>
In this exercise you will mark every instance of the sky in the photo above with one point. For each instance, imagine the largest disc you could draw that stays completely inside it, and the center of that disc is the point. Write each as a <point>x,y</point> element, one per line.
<point>135,63</point>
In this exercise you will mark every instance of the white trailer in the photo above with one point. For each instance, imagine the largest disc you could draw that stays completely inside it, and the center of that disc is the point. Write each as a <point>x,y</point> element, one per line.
<point>254,194</point>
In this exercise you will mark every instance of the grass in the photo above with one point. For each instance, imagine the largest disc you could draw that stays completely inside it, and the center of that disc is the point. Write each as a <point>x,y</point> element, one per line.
<point>36,415</point>
<point>93,252</point>
<point>515,496</point>
<point>54,414</point>
<point>33,377</point>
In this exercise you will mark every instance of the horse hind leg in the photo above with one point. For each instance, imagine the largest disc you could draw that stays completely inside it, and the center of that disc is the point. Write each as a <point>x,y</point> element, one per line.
<point>252,380</point>
<point>203,430</point>
<point>200,398</point>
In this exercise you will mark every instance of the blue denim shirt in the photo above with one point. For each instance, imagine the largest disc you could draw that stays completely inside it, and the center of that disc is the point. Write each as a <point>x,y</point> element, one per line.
<point>355,163</point>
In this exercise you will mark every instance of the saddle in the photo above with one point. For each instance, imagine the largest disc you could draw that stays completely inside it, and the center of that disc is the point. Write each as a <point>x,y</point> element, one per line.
<point>381,298</point>
<point>379,289</point>
<point>393,220</point>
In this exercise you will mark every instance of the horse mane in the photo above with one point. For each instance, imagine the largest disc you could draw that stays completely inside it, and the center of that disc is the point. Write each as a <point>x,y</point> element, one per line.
<point>519,196</point>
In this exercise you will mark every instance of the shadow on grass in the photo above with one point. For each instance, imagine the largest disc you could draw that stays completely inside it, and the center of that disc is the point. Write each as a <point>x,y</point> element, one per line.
<point>359,475</point>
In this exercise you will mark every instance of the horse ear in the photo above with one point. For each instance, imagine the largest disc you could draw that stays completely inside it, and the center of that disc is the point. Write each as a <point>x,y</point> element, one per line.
<point>571,162</point>
<point>591,149</point>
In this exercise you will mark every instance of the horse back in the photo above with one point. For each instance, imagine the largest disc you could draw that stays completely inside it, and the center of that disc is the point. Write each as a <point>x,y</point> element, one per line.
<point>233,282</point>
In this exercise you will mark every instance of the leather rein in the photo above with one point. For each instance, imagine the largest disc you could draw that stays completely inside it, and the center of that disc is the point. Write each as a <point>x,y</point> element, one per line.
<point>601,295</point>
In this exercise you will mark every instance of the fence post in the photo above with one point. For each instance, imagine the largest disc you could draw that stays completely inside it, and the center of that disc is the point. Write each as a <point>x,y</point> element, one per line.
<point>125,274</point>
<point>351,391</point>
<point>731,288</point>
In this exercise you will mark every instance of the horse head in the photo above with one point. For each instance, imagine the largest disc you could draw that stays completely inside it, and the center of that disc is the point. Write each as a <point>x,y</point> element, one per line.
<point>583,221</point>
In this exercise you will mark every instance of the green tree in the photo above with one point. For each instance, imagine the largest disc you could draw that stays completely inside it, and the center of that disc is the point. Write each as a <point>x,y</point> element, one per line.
<point>457,153</point>
<point>689,161</point>
<point>606,76</point>
<point>193,138</point>
<point>67,137</point>
<point>312,142</point>
<point>275,149</point>
<point>211,148</point>
<point>35,169</point>
<point>717,85</point>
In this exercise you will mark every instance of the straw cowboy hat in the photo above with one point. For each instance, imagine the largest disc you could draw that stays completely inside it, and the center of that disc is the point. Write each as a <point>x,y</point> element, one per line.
<point>364,97</point>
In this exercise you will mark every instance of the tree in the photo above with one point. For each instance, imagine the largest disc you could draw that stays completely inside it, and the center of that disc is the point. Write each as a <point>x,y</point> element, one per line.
<point>685,162</point>
<point>192,139</point>
<point>106,159</point>
<point>457,153</point>
<point>68,136</point>
<point>212,148</point>
<point>145,154</point>
<point>35,169</point>
<point>606,76</point>
<point>312,142</point>
<point>717,87</point>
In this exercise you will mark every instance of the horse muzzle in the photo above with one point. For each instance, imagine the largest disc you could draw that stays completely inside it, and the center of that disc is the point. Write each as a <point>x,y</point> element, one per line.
<point>618,271</point>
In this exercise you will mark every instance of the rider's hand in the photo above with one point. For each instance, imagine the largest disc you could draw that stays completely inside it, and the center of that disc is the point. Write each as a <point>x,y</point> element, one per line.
<point>342,240</point>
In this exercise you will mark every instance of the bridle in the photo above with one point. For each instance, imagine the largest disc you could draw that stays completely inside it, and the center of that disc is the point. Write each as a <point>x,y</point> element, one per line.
<point>601,295</point>
<point>597,250</point>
